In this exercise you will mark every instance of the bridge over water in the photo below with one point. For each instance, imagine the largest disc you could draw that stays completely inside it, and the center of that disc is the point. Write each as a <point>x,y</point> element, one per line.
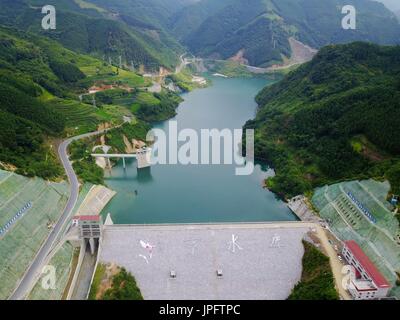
<point>143,157</point>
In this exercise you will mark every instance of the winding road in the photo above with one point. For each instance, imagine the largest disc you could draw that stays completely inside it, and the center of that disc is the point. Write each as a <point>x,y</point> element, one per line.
<point>34,270</point>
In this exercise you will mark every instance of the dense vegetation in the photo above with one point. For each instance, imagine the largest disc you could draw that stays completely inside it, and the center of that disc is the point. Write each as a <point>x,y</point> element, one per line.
<point>334,118</point>
<point>83,164</point>
<point>157,107</point>
<point>40,80</point>
<point>261,28</point>
<point>183,80</point>
<point>123,286</point>
<point>317,281</point>
<point>95,28</point>
<point>31,68</point>
<point>137,131</point>
<point>39,85</point>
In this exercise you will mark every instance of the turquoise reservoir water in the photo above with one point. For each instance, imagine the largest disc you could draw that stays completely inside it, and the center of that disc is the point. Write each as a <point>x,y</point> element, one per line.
<point>199,193</point>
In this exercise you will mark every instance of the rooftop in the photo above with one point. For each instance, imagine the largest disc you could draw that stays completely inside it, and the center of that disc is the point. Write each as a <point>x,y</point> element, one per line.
<point>363,285</point>
<point>367,264</point>
<point>87,218</point>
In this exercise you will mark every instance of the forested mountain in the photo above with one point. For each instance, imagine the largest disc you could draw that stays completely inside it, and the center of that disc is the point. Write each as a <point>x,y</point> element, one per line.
<point>334,118</point>
<point>259,29</point>
<point>31,68</point>
<point>43,72</point>
<point>106,32</point>
<point>152,12</point>
<point>189,19</point>
<point>150,32</point>
<point>331,119</point>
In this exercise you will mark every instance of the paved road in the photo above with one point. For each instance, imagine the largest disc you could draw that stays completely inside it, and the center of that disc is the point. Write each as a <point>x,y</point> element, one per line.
<point>34,269</point>
<point>336,264</point>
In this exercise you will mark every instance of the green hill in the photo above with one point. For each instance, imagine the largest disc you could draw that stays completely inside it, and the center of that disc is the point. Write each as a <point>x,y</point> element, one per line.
<point>39,85</point>
<point>189,18</point>
<point>260,28</point>
<point>87,27</point>
<point>40,81</point>
<point>334,118</point>
<point>31,68</point>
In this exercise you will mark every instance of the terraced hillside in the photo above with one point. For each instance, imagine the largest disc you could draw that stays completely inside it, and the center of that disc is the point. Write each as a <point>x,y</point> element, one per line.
<point>77,115</point>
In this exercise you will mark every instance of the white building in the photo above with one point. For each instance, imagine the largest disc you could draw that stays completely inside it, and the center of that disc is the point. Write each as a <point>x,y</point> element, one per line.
<point>368,282</point>
<point>89,226</point>
<point>90,229</point>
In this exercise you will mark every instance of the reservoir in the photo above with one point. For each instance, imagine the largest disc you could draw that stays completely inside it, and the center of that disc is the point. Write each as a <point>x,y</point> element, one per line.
<point>199,193</point>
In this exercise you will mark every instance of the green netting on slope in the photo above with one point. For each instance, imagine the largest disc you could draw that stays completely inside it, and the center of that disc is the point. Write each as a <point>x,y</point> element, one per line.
<point>395,292</point>
<point>21,243</point>
<point>323,196</point>
<point>62,261</point>
<point>62,188</point>
<point>338,226</point>
<point>379,262</point>
<point>388,249</point>
<point>319,200</point>
<point>4,174</point>
<point>379,189</point>
<point>10,187</point>
<point>384,217</point>
<point>351,214</point>
<point>28,192</point>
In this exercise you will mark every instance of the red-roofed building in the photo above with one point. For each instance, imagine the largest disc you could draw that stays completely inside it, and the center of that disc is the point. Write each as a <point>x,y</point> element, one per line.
<point>368,282</point>
<point>89,226</point>
<point>89,218</point>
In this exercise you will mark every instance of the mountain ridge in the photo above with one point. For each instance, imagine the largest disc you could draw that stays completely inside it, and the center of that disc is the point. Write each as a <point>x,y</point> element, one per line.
<point>324,121</point>
<point>261,28</point>
<point>102,33</point>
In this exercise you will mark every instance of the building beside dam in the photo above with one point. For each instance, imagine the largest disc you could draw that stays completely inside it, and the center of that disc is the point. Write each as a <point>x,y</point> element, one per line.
<point>368,282</point>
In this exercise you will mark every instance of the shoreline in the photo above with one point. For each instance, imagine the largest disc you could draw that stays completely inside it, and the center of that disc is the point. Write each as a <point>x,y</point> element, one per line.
<point>119,206</point>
